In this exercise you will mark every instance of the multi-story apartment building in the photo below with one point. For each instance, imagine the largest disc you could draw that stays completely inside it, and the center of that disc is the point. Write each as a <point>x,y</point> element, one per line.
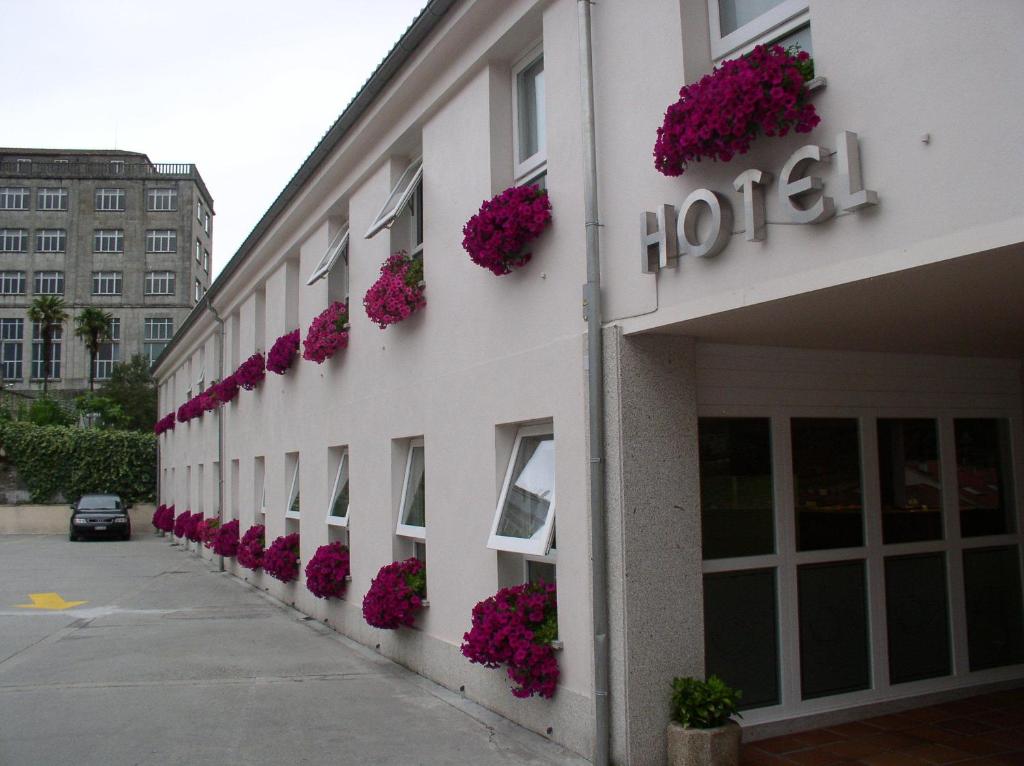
<point>109,229</point>
<point>812,356</point>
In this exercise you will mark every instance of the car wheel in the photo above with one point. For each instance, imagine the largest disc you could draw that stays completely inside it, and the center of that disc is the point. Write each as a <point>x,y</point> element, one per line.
<point>72,537</point>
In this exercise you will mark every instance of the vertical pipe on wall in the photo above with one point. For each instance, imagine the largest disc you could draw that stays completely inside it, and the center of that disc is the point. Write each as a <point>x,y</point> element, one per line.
<point>595,395</point>
<point>220,423</point>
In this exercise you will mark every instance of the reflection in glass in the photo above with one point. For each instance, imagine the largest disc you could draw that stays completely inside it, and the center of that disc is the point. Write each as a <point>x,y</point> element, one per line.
<point>294,505</point>
<point>917,615</point>
<point>531,110</point>
<point>533,484</point>
<point>995,625</point>
<point>983,476</point>
<point>741,633</point>
<point>339,508</point>
<point>826,483</point>
<point>834,654</point>
<point>414,513</point>
<point>733,14</point>
<point>736,487</point>
<point>540,571</point>
<point>911,486</point>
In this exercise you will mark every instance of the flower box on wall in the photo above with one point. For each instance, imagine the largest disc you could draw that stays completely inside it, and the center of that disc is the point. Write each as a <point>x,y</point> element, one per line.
<point>327,573</point>
<point>498,236</point>
<point>398,291</point>
<point>396,595</point>
<point>282,354</point>
<point>328,333</point>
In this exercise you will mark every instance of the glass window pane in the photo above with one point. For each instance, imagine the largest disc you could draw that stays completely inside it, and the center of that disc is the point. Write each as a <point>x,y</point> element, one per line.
<point>531,110</point>
<point>917,613</point>
<point>736,487</point>
<point>983,471</point>
<point>799,38</point>
<point>995,629</point>
<point>834,655</point>
<point>339,507</point>
<point>539,571</point>
<point>826,483</point>
<point>733,14</point>
<point>741,633</point>
<point>911,485</point>
<point>528,499</point>
<point>414,512</point>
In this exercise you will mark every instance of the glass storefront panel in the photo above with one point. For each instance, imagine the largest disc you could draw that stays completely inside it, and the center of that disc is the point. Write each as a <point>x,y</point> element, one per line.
<point>827,483</point>
<point>910,480</point>
<point>917,615</point>
<point>995,624</point>
<point>983,473</point>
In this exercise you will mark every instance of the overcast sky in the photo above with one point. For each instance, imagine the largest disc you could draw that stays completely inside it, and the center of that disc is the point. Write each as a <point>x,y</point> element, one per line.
<point>242,88</point>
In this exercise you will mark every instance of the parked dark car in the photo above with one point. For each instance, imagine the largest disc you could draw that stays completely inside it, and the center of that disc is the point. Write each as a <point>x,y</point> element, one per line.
<point>100,516</point>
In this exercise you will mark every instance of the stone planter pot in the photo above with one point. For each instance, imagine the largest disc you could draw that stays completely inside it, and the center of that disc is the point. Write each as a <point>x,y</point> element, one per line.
<point>704,747</point>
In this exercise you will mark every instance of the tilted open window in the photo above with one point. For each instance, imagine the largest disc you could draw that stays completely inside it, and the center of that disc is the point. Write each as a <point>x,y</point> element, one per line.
<point>400,197</point>
<point>292,509</point>
<point>525,518</point>
<point>412,515</point>
<point>337,511</point>
<point>337,249</point>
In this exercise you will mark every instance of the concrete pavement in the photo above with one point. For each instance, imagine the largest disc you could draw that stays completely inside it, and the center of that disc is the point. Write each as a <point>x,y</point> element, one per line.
<point>170,662</point>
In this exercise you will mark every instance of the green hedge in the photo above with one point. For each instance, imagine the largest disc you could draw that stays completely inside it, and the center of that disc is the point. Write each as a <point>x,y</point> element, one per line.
<point>54,460</point>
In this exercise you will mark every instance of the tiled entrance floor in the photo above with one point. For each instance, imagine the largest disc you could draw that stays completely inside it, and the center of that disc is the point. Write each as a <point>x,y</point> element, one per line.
<point>985,731</point>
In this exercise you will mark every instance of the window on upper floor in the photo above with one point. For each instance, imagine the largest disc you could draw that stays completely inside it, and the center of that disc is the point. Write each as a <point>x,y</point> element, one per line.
<point>199,252</point>
<point>51,240</point>
<point>199,211</point>
<point>337,509</point>
<point>52,199</point>
<point>412,512</point>
<point>159,283</point>
<point>39,368</point>
<point>401,198</point>
<point>156,334</point>
<point>160,199</point>
<point>106,283</point>
<point>117,167</point>
<point>524,520</point>
<point>161,241</point>
<point>13,198</point>
<point>293,507</point>
<point>110,200</point>
<point>206,221</point>
<point>206,260</point>
<point>12,333</point>
<point>109,352</point>
<point>108,241</point>
<point>12,282</point>
<point>738,25</point>
<point>334,265</point>
<point>13,240</point>
<point>48,282</point>
<point>528,113</point>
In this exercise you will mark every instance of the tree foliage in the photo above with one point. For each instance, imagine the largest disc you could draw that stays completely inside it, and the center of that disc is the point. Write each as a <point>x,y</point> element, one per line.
<point>132,388</point>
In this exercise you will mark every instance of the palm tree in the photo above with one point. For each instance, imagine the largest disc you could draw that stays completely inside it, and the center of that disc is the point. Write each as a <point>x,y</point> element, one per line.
<point>92,325</point>
<point>49,311</point>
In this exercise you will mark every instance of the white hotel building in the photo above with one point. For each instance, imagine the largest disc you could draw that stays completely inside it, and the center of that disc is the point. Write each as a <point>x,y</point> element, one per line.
<point>813,451</point>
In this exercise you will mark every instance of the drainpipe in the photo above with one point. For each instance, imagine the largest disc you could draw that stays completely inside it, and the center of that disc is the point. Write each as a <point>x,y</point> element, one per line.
<point>220,425</point>
<point>595,394</point>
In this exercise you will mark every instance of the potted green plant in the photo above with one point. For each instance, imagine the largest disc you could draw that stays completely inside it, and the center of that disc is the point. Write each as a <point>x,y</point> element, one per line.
<point>702,732</point>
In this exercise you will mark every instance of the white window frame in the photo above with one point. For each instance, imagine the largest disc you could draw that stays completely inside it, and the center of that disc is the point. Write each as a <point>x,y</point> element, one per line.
<point>536,164</point>
<point>162,199</point>
<point>110,200</point>
<point>156,279</point>
<point>12,283</point>
<point>109,353</point>
<point>12,336</point>
<point>786,17</point>
<point>56,343</point>
<point>337,246</point>
<point>41,278</point>
<point>101,236</point>
<point>108,282</point>
<point>206,260</point>
<point>206,221</point>
<point>398,199</point>
<point>51,240</point>
<point>200,291</point>
<point>161,241</point>
<point>10,194</point>
<point>403,529</point>
<point>52,198</point>
<point>13,240</point>
<point>540,544</point>
<point>340,521</point>
<point>293,492</point>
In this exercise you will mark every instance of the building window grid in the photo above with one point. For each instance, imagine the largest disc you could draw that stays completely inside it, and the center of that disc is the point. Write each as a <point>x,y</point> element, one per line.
<point>12,282</point>
<point>13,240</point>
<point>108,241</point>
<point>14,198</point>
<point>109,353</point>
<point>55,352</point>
<point>162,199</point>
<point>52,199</point>
<point>159,283</point>
<point>106,282</point>
<point>48,283</point>
<point>51,240</point>
<point>110,200</point>
<point>156,334</point>
<point>161,241</point>
<point>12,335</point>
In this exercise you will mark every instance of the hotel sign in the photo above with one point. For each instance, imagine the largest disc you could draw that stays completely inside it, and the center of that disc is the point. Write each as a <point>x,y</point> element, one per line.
<point>669,233</point>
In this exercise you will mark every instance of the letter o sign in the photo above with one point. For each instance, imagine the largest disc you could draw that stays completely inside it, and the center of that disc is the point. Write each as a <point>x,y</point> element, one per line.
<point>721,224</point>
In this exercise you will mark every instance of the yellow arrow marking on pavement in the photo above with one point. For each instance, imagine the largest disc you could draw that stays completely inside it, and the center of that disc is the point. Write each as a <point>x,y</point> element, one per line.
<point>49,601</point>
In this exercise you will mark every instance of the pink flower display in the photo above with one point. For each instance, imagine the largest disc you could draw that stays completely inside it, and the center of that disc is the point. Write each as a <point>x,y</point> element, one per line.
<point>327,570</point>
<point>327,333</point>
<point>163,518</point>
<point>181,523</point>
<point>515,628</point>
<point>281,560</point>
<point>397,293</point>
<point>716,118</point>
<point>396,594</point>
<point>251,372</point>
<point>206,531</point>
<point>250,549</point>
<point>166,423</point>
<point>191,409</point>
<point>223,391</point>
<point>225,539</point>
<point>497,236</point>
<point>282,353</point>
<point>192,527</point>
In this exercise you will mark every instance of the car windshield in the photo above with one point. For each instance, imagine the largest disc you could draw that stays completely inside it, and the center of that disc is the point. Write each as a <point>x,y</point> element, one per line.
<point>99,503</point>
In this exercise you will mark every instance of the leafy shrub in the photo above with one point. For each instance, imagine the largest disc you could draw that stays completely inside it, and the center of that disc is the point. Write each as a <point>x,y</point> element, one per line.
<point>47,412</point>
<point>703,704</point>
<point>56,460</point>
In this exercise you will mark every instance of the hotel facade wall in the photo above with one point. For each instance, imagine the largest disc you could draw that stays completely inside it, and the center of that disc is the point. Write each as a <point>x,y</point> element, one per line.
<point>914,283</point>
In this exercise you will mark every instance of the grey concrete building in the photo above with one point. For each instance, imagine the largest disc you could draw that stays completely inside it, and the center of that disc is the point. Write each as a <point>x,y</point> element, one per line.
<point>99,228</point>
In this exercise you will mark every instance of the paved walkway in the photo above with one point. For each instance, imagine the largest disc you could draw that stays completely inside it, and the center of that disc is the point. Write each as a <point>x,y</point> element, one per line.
<point>171,663</point>
<point>986,730</point>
